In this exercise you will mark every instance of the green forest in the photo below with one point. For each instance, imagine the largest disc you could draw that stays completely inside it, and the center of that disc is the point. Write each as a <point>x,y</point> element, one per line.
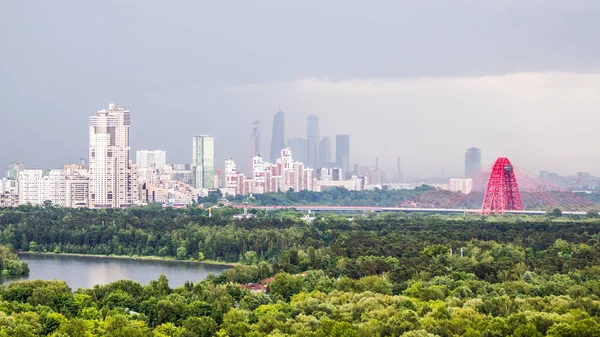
<point>330,197</point>
<point>422,196</point>
<point>10,265</point>
<point>362,275</point>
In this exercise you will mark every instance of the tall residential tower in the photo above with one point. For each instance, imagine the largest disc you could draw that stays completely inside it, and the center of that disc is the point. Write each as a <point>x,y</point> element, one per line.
<point>278,136</point>
<point>111,181</point>
<point>203,162</point>
<point>312,142</point>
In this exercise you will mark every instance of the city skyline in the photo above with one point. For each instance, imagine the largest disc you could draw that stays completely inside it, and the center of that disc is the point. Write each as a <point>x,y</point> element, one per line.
<point>113,181</point>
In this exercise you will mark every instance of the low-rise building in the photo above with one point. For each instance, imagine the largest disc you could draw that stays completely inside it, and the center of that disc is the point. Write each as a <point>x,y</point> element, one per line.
<point>463,185</point>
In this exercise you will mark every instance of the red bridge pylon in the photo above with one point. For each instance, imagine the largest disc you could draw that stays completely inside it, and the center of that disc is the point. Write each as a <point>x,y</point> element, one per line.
<point>502,192</point>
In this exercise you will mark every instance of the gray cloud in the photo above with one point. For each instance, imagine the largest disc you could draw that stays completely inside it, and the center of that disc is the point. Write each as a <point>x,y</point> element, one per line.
<point>176,65</point>
<point>540,120</point>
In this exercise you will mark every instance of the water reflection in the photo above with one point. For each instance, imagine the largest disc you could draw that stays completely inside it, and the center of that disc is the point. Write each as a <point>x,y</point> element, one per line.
<point>85,271</point>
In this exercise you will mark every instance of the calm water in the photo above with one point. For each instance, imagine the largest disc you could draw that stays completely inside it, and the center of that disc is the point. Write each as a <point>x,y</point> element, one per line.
<point>86,271</point>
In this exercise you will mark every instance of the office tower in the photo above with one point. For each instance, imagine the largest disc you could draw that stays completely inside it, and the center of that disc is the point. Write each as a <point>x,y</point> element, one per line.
<point>278,136</point>
<point>111,182</point>
<point>324,152</point>
<point>203,162</point>
<point>298,147</point>
<point>472,161</point>
<point>342,153</point>
<point>312,141</point>
<point>149,159</point>
<point>255,139</point>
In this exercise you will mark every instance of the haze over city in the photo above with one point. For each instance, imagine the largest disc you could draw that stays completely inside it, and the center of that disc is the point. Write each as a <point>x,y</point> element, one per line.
<point>419,81</point>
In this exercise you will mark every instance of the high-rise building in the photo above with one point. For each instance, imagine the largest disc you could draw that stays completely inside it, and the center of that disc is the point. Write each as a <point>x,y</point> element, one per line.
<point>324,152</point>
<point>255,139</point>
<point>342,152</point>
<point>278,136</point>
<point>312,141</point>
<point>298,147</point>
<point>203,162</point>
<point>111,181</point>
<point>234,180</point>
<point>148,159</point>
<point>472,161</point>
<point>259,175</point>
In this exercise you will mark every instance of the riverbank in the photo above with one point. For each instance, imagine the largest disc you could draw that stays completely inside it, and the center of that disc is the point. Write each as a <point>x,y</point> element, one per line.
<point>147,258</point>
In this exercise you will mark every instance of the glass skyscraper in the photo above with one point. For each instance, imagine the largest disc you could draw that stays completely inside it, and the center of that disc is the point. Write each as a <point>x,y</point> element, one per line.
<point>472,160</point>
<point>298,147</point>
<point>278,136</point>
<point>324,152</point>
<point>255,139</point>
<point>203,162</point>
<point>312,141</point>
<point>342,153</point>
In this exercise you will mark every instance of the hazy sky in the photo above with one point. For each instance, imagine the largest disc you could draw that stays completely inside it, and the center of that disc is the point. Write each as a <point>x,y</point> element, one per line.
<point>423,80</point>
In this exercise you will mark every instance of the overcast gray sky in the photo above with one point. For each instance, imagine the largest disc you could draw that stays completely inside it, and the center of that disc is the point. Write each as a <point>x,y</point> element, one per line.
<point>423,80</point>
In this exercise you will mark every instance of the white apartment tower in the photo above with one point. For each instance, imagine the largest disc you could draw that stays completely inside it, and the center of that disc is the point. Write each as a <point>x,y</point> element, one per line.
<point>111,182</point>
<point>203,162</point>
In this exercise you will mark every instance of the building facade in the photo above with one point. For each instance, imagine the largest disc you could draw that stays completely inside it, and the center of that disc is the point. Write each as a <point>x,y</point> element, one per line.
<point>29,186</point>
<point>111,183</point>
<point>9,192</point>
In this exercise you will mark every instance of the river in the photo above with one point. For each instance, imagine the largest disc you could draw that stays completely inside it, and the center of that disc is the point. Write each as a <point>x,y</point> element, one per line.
<point>86,271</point>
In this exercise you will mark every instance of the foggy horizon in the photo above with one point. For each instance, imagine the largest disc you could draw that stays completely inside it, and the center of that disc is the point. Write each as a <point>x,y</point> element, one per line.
<point>415,81</point>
